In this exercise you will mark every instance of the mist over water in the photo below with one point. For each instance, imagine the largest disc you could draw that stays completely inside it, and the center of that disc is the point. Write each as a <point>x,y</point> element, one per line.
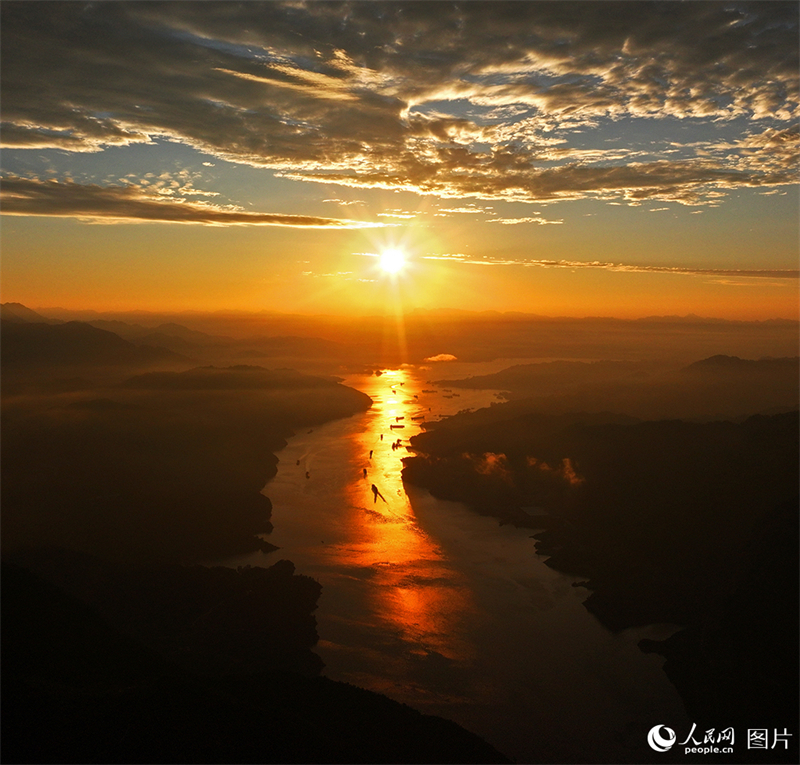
<point>447,610</point>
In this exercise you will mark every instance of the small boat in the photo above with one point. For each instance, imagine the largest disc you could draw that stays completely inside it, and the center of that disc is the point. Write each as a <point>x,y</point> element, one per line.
<point>397,426</point>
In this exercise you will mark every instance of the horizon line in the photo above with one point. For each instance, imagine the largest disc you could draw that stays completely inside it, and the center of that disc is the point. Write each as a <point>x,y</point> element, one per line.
<point>447,311</point>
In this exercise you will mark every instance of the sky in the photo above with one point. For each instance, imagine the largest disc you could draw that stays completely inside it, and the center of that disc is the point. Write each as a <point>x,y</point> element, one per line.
<point>566,159</point>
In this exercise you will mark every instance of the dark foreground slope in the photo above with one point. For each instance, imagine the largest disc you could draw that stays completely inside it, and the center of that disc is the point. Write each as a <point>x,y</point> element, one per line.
<point>76,689</point>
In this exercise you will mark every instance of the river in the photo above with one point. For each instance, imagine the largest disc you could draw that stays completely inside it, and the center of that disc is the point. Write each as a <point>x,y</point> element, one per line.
<point>446,610</point>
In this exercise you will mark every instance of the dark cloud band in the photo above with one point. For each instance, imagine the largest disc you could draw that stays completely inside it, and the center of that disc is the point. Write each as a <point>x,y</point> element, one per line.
<point>23,196</point>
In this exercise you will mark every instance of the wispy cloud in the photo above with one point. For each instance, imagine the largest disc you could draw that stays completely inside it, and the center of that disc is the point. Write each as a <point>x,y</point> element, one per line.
<point>346,202</point>
<point>25,196</point>
<point>529,219</point>
<point>630,268</point>
<point>470,209</point>
<point>719,273</point>
<point>403,214</point>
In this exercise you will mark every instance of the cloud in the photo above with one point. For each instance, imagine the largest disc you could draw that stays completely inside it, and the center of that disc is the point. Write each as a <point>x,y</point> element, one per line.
<point>514,221</point>
<point>714,272</point>
<point>491,100</point>
<point>397,214</point>
<point>442,357</point>
<point>470,209</point>
<point>344,202</point>
<point>24,196</point>
<point>721,273</point>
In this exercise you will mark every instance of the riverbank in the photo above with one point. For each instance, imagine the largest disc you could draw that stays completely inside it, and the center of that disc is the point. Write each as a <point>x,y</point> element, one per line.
<point>687,523</point>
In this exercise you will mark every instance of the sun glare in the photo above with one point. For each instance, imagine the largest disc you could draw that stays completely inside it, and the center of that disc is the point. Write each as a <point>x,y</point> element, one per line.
<point>392,261</point>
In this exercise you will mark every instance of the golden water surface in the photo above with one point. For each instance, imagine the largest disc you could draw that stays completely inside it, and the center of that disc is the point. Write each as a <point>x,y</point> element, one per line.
<point>416,591</point>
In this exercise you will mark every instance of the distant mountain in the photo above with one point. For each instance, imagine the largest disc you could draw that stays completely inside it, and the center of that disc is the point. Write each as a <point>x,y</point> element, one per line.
<point>192,335</point>
<point>18,313</point>
<point>170,342</point>
<point>553,376</point>
<point>692,318</point>
<point>239,377</point>
<point>732,364</point>
<point>292,345</point>
<point>27,344</point>
<point>122,328</point>
<point>139,333</point>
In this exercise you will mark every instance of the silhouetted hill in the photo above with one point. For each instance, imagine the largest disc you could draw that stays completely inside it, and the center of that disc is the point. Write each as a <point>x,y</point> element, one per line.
<point>167,465</point>
<point>553,376</point>
<point>173,329</point>
<point>74,343</point>
<point>77,690</point>
<point>471,336</point>
<point>211,620</point>
<point>170,342</point>
<point>138,332</point>
<point>18,313</point>
<point>125,329</point>
<point>721,364</point>
<point>292,345</point>
<point>719,387</point>
<point>292,350</point>
<point>241,376</point>
<point>742,662</point>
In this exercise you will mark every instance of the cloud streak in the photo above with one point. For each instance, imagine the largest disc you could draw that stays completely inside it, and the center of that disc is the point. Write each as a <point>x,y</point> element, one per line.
<point>721,273</point>
<point>529,219</point>
<point>24,196</point>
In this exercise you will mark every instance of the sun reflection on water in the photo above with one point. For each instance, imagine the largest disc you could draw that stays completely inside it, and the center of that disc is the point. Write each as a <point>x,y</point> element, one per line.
<point>416,592</point>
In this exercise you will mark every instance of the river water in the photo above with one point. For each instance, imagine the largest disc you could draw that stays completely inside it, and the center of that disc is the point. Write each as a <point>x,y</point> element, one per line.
<point>446,610</point>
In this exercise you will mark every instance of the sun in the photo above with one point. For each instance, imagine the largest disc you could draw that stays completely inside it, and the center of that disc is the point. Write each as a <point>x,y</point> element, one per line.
<point>392,261</point>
